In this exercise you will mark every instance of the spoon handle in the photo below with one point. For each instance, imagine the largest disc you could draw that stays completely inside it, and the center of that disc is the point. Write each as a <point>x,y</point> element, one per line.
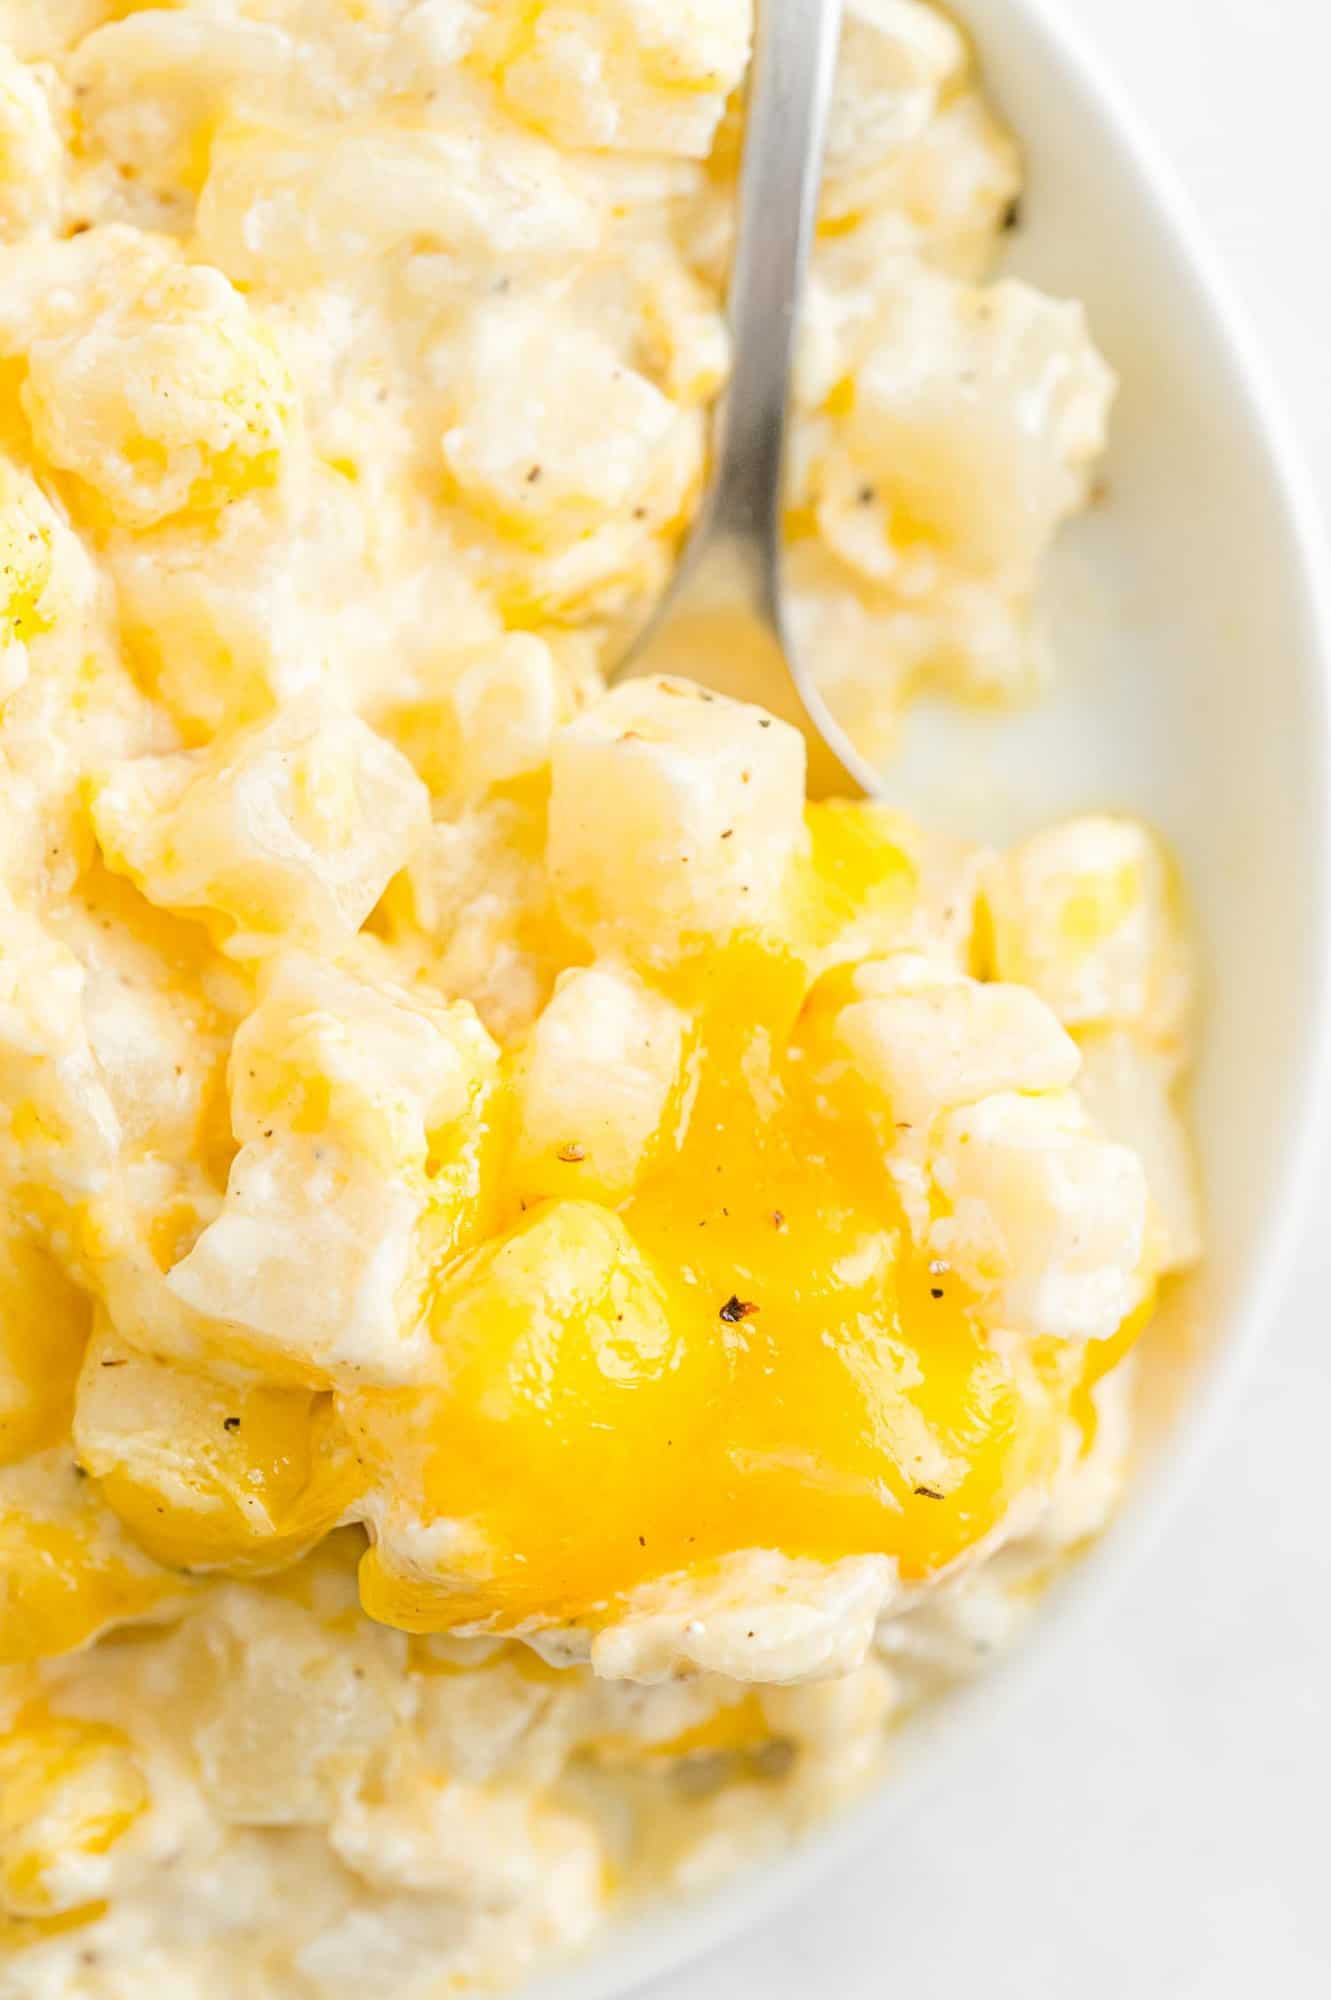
<point>789,95</point>
<point>721,620</point>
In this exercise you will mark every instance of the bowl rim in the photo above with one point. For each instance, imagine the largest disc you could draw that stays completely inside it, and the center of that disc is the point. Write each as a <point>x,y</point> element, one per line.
<point>662,1940</point>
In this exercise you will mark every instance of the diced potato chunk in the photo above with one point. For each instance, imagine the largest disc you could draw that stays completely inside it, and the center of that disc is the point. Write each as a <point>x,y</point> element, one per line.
<point>322,203</point>
<point>594,1085</point>
<point>974,418</point>
<point>757,1615</point>
<point>674,818</point>
<point>204,1473</point>
<point>478,895</point>
<point>50,29</point>
<point>505,707</point>
<point>328,1054</point>
<point>310,203</point>
<point>884,885</point>
<point>306,587</point>
<point>360,1114</point>
<point>57,1125</point>
<point>69,1790</point>
<point>311,1262</point>
<point>1046,1222</point>
<point>1125,1084</point>
<point>44,1322</point>
<point>688,341</point>
<point>27,527</point>
<point>162,1062</point>
<point>31,156</point>
<point>491,722</point>
<point>152,88</point>
<point>493,1848</point>
<point>68,1570</point>
<point>164,394</point>
<point>519,449</point>
<point>294,1708</point>
<point>846,1714</point>
<point>897,56</point>
<point>290,830</point>
<point>1085,913</point>
<point>929,1043</point>
<point>628,74</point>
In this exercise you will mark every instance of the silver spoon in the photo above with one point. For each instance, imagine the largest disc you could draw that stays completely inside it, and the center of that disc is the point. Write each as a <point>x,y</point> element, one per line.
<point>722,621</point>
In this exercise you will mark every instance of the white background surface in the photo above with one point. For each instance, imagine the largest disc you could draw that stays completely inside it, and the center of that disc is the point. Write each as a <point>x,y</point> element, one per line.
<point>1157,1824</point>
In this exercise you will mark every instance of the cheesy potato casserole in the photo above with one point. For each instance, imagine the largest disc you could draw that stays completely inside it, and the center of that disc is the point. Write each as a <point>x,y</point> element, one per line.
<point>549,1290</point>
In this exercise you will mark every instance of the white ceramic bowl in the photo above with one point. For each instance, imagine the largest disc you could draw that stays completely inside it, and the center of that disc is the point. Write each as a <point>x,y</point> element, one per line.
<point>1191,627</point>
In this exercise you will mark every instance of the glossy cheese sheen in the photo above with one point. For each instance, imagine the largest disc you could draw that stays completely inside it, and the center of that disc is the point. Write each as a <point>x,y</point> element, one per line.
<point>67,1788</point>
<point>750,1351</point>
<point>270,1476</point>
<point>67,1570</point>
<point>43,1326</point>
<point>750,1354</point>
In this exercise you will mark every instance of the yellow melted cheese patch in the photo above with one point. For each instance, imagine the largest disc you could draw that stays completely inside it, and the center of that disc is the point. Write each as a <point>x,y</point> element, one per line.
<point>665,1281</point>
<point>751,1354</point>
